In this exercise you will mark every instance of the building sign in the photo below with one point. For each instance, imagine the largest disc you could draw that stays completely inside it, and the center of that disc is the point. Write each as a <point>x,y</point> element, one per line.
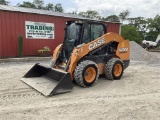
<point>39,30</point>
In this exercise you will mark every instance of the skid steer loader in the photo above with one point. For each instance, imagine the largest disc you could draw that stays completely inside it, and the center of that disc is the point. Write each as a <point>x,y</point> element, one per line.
<point>87,52</point>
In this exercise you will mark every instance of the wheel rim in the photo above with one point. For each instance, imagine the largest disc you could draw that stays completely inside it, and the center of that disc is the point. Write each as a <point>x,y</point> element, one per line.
<point>117,70</point>
<point>90,74</point>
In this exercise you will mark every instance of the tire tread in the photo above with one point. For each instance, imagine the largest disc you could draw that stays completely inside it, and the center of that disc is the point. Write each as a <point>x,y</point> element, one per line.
<point>109,66</point>
<point>79,70</point>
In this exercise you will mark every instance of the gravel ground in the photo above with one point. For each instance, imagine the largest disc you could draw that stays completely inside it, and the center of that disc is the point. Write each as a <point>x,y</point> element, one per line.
<point>155,53</point>
<point>135,97</point>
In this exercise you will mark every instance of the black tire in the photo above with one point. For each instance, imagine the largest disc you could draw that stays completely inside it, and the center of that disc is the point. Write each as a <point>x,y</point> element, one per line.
<point>110,69</point>
<point>51,63</point>
<point>86,73</point>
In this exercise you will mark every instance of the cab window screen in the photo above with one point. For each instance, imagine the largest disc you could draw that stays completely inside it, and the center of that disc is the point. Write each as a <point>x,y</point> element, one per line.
<point>86,34</point>
<point>96,31</point>
<point>92,32</point>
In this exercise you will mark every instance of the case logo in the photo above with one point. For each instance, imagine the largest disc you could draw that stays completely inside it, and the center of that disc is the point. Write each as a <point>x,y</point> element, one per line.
<point>96,44</point>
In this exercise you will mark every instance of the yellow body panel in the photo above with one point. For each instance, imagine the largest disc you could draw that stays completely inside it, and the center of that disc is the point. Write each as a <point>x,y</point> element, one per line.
<point>123,50</point>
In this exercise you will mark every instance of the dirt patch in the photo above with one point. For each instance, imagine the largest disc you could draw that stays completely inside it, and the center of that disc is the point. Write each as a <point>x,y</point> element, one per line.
<point>135,96</point>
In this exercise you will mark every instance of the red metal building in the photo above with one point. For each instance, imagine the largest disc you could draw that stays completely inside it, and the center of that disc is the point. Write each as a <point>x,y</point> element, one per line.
<point>13,22</point>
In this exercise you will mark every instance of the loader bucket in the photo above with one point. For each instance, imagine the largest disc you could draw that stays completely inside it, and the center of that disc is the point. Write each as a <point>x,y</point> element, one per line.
<point>48,81</point>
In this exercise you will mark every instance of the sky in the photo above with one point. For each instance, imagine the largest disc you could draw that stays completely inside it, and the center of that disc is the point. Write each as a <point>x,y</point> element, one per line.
<point>142,8</point>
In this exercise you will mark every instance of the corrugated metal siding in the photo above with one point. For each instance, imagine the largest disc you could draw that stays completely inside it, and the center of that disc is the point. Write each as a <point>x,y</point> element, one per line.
<point>10,29</point>
<point>12,24</point>
<point>0,35</point>
<point>113,27</point>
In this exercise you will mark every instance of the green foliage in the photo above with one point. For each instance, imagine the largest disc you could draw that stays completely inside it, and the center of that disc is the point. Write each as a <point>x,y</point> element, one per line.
<point>90,14</point>
<point>39,4</point>
<point>154,23</point>
<point>73,12</point>
<point>20,46</point>
<point>151,36</point>
<point>58,8</point>
<point>4,2</point>
<point>139,22</point>
<point>27,5</point>
<point>112,18</point>
<point>123,15</point>
<point>148,28</point>
<point>49,6</point>
<point>130,32</point>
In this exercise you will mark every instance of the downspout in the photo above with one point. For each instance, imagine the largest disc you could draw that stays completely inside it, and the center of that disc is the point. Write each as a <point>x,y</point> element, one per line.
<point>120,28</point>
<point>0,38</point>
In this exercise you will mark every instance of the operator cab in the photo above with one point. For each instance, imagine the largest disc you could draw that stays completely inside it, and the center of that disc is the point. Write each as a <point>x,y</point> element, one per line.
<point>79,32</point>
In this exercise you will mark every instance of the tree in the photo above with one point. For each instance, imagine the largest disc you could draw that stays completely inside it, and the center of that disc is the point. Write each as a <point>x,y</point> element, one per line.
<point>4,2</point>
<point>90,14</point>
<point>73,12</point>
<point>49,6</point>
<point>154,24</point>
<point>140,23</point>
<point>123,15</point>
<point>130,32</point>
<point>112,18</point>
<point>39,4</point>
<point>153,27</point>
<point>27,5</point>
<point>58,8</point>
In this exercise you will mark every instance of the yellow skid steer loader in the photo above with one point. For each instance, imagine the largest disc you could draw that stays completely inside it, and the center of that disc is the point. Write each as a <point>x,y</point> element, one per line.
<point>87,52</point>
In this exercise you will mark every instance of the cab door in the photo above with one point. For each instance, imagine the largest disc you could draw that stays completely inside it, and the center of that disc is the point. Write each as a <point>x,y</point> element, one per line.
<point>92,31</point>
